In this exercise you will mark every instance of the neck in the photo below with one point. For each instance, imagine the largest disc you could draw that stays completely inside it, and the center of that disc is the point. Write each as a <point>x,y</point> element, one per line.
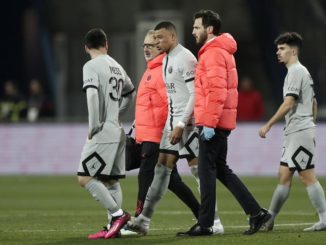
<point>172,47</point>
<point>292,60</point>
<point>209,37</point>
<point>96,52</point>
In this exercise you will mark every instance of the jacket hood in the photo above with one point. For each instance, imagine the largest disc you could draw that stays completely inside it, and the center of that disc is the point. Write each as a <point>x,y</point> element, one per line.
<point>224,41</point>
<point>157,61</point>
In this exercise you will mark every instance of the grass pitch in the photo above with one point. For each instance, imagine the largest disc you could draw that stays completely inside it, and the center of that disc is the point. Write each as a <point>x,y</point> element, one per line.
<point>55,210</point>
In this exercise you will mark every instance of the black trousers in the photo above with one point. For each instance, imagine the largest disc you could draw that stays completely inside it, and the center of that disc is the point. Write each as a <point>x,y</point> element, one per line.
<point>150,153</point>
<point>212,165</point>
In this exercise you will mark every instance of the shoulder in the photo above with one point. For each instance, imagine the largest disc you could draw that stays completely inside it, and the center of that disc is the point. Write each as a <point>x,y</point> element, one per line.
<point>186,53</point>
<point>298,67</point>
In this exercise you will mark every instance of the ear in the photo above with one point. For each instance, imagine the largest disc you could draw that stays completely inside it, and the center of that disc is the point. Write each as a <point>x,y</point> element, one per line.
<point>107,45</point>
<point>173,36</point>
<point>210,29</point>
<point>86,49</point>
<point>294,51</point>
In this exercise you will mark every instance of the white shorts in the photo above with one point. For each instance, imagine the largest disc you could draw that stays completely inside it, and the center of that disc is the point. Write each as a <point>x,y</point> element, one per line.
<point>298,150</point>
<point>103,161</point>
<point>188,147</point>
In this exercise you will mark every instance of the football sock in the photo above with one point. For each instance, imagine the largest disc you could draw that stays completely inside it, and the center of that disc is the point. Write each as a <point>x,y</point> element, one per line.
<point>280,195</point>
<point>157,189</point>
<point>317,197</point>
<point>101,194</point>
<point>118,213</point>
<point>194,172</point>
<point>116,193</point>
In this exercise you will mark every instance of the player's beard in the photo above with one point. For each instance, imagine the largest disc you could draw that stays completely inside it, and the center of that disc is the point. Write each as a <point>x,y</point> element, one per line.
<point>202,38</point>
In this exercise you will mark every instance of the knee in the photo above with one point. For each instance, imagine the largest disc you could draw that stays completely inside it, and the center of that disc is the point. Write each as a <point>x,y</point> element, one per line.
<point>192,162</point>
<point>285,180</point>
<point>111,182</point>
<point>308,180</point>
<point>83,180</point>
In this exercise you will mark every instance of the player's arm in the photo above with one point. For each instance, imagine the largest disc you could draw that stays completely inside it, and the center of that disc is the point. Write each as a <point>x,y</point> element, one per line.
<point>176,134</point>
<point>93,112</point>
<point>126,101</point>
<point>314,109</point>
<point>90,86</point>
<point>284,108</point>
<point>189,71</point>
<point>127,95</point>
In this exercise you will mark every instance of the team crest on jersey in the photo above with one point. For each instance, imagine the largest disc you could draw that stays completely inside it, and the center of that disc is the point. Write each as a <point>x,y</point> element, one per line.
<point>149,77</point>
<point>170,69</point>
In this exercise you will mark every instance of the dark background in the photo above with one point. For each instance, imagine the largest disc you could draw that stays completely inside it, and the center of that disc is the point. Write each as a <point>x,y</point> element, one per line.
<point>44,40</point>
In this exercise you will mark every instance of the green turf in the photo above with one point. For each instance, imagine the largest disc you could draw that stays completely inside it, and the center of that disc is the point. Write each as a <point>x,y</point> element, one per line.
<point>55,210</point>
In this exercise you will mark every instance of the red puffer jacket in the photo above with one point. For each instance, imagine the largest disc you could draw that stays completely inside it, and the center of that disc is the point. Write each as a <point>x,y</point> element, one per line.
<point>216,82</point>
<point>151,103</point>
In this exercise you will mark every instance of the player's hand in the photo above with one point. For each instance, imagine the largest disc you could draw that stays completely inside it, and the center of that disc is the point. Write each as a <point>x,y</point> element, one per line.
<point>176,135</point>
<point>264,130</point>
<point>207,133</point>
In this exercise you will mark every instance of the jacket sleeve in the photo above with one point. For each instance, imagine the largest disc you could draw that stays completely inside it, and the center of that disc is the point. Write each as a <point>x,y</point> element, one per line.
<point>216,87</point>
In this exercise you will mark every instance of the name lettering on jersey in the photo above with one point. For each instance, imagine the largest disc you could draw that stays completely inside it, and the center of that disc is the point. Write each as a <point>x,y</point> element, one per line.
<point>170,88</point>
<point>170,69</point>
<point>115,70</point>
<point>89,80</point>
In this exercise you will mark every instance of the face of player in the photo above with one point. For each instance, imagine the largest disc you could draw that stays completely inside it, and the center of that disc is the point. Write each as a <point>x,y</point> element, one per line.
<point>166,40</point>
<point>150,47</point>
<point>199,32</point>
<point>285,53</point>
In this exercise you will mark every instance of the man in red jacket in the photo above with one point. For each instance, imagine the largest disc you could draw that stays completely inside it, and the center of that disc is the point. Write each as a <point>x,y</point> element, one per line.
<point>215,112</point>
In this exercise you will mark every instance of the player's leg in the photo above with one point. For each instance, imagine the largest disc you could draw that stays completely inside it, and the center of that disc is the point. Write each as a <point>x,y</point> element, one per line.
<point>156,191</point>
<point>317,198</point>
<point>101,194</point>
<point>96,162</point>
<point>120,218</point>
<point>280,195</point>
<point>282,190</point>
<point>150,152</point>
<point>302,147</point>
<point>114,188</point>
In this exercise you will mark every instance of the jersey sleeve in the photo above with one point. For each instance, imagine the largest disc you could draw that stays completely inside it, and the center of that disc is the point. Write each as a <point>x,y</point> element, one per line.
<point>128,87</point>
<point>90,77</point>
<point>294,83</point>
<point>189,68</point>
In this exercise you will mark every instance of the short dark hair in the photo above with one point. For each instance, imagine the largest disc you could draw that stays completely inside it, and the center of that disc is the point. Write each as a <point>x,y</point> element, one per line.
<point>289,38</point>
<point>95,38</point>
<point>210,18</point>
<point>166,25</point>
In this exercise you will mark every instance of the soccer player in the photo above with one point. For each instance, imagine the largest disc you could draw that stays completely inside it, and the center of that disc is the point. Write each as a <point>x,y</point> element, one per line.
<point>215,114</point>
<point>180,138</point>
<point>109,91</point>
<point>151,114</point>
<point>299,108</point>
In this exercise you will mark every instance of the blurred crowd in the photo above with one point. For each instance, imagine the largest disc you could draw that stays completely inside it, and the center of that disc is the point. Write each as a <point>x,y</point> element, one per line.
<point>36,105</point>
<point>16,106</point>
